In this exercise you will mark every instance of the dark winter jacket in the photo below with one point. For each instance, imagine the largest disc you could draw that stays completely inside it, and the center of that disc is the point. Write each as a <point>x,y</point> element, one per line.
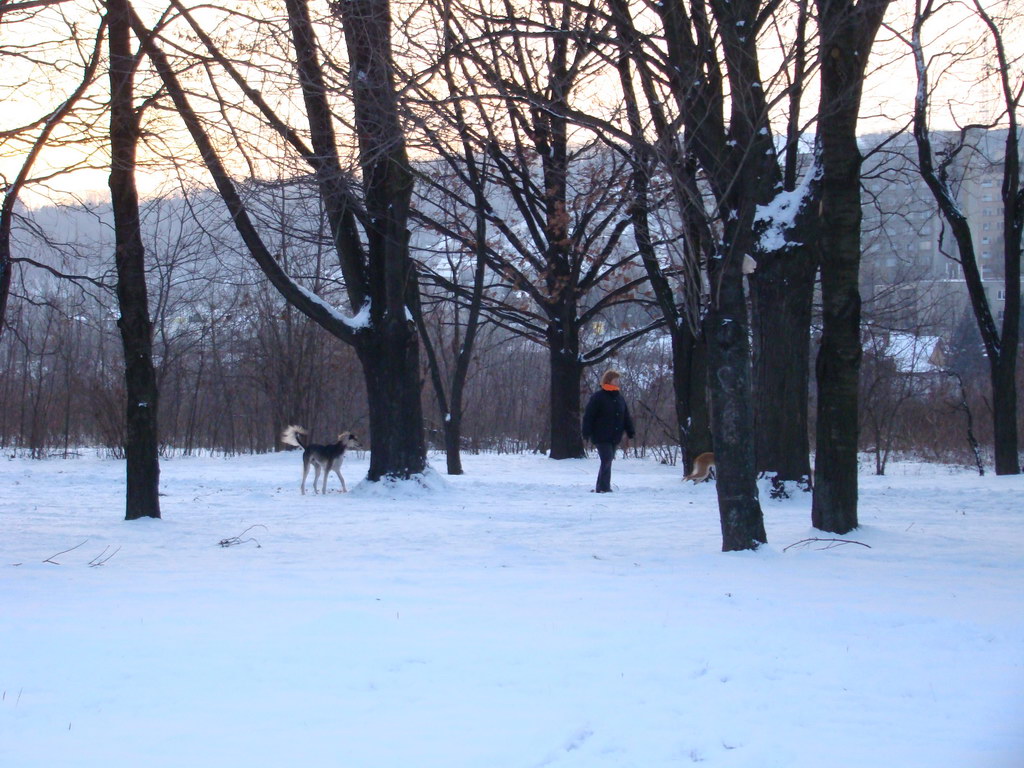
<point>607,417</point>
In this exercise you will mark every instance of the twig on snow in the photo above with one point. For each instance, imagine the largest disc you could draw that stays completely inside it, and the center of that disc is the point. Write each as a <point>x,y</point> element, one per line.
<point>235,540</point>
<point>54,562</point>
<point>830,543</point>
<point>100,559</point>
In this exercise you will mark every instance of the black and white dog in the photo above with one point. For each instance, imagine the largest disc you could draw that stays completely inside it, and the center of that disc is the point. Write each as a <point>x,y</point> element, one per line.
<point>326,457</point>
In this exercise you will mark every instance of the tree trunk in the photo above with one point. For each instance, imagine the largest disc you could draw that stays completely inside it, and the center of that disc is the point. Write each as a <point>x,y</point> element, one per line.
<point>781,293</point>
<point>733,429</point>
<point>390,361</point>
<point>847,31</point>
<point>732,419</point>
<point>6,272</point>
<point>834,507</point>
<point>452,443</point>
<point>390,353</point>
<point>1004,406</point>
<point>566,377</point>
<point>141,444</point>
<point>690,388</point>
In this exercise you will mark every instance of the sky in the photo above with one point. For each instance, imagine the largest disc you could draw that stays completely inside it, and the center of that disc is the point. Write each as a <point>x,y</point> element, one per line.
<point>29,93</point>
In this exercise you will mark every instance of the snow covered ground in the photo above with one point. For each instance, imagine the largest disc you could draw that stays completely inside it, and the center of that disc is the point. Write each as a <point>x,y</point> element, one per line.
<point>507,617</point>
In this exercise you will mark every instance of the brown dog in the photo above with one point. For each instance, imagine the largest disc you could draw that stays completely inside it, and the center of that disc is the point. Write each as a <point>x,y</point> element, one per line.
<point>702,467</point>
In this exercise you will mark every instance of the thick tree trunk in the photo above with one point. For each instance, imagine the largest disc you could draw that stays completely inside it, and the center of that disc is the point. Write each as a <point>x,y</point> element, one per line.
<point>732,418</point>
<point>1004,406</point>
<point>847,34</point>
<point>834,507</point>
<point>390,353</point>
<point>141,445</point>
<point>848,31</point>
<point>781,292</point>
<point>733,429</point>
<point>390,361</point>
<point>566,377</point>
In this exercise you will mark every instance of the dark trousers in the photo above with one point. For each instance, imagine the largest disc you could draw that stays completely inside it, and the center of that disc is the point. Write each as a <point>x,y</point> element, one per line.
<point>604,475</point>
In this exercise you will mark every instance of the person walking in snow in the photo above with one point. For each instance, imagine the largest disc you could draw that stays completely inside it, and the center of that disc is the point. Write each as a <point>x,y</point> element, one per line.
<point>605,420</point>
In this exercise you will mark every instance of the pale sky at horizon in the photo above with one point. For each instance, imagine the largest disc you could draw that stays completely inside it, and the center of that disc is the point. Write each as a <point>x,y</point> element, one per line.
<point>887,101</point>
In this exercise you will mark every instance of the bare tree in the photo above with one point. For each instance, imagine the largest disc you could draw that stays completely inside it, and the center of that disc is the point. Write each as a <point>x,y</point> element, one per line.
<point>453,200</point>
<point>895,371</point>
<point>454,305</point>
<point>35,135</point>
<point>368,230</point>
<point>61,324</point>
<point>713,150</point>
<point>939,167</point>
<point>847,29</point>
<point>782,285</point>
<point>676,281</point>
<point>141,437</point>
<point>558,205</point>
<point>712,48</point>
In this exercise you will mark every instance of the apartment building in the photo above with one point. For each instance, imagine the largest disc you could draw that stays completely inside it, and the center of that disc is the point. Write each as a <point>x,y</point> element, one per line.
<point>911,277</point>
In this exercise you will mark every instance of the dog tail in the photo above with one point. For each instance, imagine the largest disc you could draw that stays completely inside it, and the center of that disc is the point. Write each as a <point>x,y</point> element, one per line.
<point>295,435</point>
